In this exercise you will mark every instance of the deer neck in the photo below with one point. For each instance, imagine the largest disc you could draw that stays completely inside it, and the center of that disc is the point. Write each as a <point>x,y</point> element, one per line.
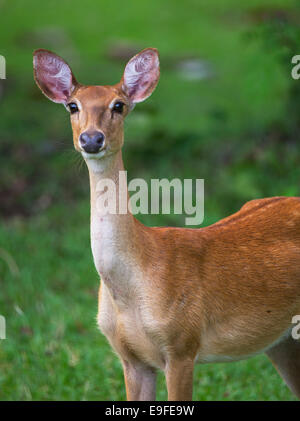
<point>114,236</point>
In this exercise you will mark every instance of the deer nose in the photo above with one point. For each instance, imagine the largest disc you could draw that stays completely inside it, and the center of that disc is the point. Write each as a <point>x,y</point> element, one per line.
<point>91,142</point>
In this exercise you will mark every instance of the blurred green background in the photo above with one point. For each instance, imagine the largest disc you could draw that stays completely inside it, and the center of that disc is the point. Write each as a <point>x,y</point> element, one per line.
<point>226,109</point>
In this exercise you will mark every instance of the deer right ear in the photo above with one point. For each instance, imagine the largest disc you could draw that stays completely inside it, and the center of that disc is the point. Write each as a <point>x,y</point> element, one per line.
<point>53,76</point>
<point>141,75</point>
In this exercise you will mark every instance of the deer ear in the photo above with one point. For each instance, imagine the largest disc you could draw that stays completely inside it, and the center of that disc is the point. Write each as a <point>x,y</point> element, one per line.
<point>141,75</point>
<point>53,76</point>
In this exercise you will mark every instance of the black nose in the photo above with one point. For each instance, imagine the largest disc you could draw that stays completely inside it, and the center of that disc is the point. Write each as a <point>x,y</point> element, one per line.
<point>91,142</point>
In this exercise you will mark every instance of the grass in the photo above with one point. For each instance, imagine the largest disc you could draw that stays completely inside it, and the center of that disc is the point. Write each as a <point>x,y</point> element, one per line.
<point>229,129</point>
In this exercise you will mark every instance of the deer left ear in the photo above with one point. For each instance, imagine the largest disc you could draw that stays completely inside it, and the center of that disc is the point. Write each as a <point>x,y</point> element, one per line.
<point>53,76</point>
<point>141,75</point>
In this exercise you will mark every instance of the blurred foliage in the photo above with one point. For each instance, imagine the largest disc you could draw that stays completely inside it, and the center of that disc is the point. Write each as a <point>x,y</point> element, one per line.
<point>226,110</point>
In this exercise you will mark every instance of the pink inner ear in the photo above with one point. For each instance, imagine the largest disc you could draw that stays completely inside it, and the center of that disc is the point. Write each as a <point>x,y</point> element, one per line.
<point>141,75</point>
<point>54,76</point>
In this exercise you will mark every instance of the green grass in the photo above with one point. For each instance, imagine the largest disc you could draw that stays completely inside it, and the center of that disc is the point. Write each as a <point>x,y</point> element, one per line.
<point>232,129</point>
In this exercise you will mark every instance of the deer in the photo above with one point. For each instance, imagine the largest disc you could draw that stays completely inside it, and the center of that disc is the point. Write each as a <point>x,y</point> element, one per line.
<point>172,297</point>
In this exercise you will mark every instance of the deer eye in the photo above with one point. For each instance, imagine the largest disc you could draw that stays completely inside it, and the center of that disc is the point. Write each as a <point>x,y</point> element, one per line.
<point>73,107</point>
<point>118,107</point>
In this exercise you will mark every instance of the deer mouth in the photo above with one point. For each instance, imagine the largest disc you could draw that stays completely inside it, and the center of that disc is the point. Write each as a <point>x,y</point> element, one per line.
<point>97,155</point>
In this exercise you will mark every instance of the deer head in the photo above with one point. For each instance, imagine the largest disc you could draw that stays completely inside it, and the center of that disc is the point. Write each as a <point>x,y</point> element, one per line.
<point>97,112</point>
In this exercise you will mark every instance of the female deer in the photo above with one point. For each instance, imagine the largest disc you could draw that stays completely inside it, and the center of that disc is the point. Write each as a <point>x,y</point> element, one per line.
<point>170,297</point>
